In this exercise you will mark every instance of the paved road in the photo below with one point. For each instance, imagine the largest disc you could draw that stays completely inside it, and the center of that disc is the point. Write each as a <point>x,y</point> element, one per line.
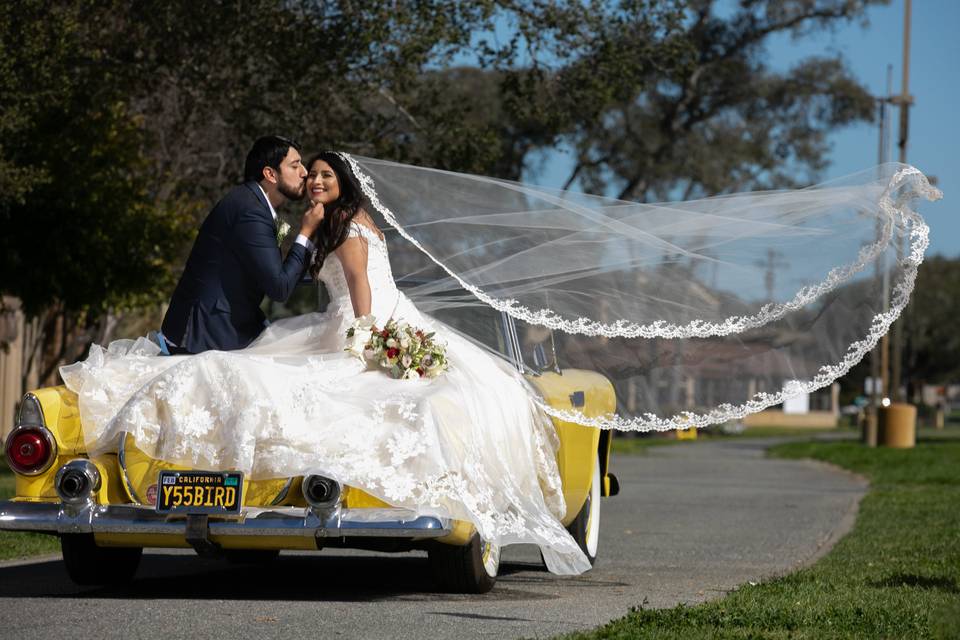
<point>691,523</point>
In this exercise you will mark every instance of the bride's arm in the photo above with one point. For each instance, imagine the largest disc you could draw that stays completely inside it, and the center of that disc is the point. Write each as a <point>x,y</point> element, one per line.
<point>353,257</point>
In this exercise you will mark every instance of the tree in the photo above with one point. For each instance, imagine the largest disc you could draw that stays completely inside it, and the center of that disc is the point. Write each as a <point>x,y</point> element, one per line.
<point>36,41</point>
<point>657,100</point>
<point>932,342</point>
<point>123,122</point>
<point>724,121</point>
<point>82,234</point>
<point>563,64</point>
<point>209,78</point>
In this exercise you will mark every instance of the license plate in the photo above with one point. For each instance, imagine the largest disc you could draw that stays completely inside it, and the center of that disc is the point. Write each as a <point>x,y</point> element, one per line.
<point>199,492</point>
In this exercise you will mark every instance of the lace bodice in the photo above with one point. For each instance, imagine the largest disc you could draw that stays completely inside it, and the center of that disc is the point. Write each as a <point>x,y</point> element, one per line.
<point>382,286</point>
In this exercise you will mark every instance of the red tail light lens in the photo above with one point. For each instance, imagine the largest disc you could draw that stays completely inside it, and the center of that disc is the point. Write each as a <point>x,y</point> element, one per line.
<point>30,450</point>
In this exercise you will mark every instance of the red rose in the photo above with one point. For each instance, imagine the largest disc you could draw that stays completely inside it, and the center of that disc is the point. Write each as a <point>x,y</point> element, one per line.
<point>393,353</point>
<point>421,372</point>
<point>384,334</point>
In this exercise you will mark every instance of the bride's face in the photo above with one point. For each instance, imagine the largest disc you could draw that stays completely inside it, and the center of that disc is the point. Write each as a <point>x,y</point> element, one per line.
<point>322,183</point>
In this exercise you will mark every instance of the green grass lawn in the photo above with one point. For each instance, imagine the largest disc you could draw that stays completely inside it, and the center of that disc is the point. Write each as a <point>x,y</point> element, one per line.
<point>21,545</point>
<point>896,575</point>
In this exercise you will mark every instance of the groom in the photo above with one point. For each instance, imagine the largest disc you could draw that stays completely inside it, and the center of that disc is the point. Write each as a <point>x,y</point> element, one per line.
<point>236,258</point>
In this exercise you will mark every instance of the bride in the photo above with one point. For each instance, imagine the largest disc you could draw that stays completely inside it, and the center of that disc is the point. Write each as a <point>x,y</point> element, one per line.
<point>470,444</point>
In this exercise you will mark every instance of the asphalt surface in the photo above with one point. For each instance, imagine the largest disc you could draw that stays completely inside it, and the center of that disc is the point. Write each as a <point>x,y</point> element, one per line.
<point>691,523</point>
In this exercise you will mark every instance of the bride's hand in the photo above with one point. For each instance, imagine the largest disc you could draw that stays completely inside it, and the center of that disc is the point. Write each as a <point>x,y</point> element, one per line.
<point>312,218</point>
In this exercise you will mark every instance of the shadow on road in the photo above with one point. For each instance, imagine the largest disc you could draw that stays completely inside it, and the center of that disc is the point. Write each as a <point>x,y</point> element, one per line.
<point>290,578</point>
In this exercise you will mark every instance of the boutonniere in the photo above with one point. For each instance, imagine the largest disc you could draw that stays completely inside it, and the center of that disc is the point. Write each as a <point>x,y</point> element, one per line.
<point>282,230</point>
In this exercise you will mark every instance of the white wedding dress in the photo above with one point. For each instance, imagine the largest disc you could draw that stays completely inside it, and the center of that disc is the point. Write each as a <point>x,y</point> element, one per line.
<point>470,444</point>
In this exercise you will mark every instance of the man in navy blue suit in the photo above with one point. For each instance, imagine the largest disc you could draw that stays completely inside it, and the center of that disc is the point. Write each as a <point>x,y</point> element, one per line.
<point>236,257</point>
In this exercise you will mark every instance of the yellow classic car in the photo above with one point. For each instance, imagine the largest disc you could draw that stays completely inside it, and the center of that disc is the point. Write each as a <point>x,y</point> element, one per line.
<point>106,509</point>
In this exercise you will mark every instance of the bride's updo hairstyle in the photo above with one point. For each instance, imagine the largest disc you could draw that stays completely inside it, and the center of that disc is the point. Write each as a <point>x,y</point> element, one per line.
<point>333,230</point>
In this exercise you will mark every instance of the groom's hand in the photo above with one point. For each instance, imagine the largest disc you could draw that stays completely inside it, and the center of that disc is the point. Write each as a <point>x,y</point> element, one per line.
<point>311,219</point>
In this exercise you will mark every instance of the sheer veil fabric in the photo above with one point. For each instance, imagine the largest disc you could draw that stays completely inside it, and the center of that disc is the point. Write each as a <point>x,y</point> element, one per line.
<point>699,312</point>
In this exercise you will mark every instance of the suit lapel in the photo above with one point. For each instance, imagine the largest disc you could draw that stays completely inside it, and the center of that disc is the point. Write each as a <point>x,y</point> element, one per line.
<point>262,199</point>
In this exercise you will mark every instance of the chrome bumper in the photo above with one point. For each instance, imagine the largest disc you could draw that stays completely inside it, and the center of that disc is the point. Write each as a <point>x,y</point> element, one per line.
<point>252,521</point>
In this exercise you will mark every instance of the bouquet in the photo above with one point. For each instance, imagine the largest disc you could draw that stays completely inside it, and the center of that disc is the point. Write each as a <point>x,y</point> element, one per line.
<point>405,352</point>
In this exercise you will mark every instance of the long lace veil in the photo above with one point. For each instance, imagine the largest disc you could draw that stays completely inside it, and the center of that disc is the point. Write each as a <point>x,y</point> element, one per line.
<point>698,312</point>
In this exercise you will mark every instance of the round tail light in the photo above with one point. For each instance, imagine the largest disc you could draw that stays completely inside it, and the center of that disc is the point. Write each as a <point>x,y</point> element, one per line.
<point>30,450</point>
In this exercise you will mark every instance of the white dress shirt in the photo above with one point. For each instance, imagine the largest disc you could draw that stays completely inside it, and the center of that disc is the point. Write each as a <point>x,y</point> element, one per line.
<point>301,239</point>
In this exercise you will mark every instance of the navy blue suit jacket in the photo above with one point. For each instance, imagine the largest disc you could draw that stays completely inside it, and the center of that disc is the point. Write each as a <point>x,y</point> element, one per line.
<point>234,262</point>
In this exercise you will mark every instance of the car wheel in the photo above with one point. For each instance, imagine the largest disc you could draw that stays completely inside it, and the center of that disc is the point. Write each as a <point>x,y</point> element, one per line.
<point>471,568</point>
<point>585,528</point>
<point>88,564</point>
<point>251,556</point>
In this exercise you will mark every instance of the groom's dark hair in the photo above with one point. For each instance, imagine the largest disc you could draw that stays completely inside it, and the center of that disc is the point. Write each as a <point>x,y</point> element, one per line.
<point>268,151</point>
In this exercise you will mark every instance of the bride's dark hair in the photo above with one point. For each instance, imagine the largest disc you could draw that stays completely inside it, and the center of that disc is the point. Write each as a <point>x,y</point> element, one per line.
<point>338,215</point>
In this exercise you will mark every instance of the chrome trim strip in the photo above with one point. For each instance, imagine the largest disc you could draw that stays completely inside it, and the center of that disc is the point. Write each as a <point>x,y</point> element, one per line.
<point>31,397</point>
<point>122,461</point>
<point>55,517</point>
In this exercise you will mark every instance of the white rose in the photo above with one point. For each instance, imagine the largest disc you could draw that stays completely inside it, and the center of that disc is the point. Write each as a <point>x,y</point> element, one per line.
<point>391,343</point>
<point>411,374</point>
<point>404,342</point>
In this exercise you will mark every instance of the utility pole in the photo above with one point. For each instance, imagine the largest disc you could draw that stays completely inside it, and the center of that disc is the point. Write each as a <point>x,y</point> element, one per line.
<point>903,101</point>
<point>897,420</point>
<point>880,357</point>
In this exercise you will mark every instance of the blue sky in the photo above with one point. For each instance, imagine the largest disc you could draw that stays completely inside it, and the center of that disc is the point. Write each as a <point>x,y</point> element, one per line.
<point>934,142</point>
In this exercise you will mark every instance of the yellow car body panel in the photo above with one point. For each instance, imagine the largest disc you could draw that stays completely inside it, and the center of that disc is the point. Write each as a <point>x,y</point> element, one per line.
<point>578,444</point>
<point>62,417</point>
<point>141,472</point>
<point>354,498</point>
